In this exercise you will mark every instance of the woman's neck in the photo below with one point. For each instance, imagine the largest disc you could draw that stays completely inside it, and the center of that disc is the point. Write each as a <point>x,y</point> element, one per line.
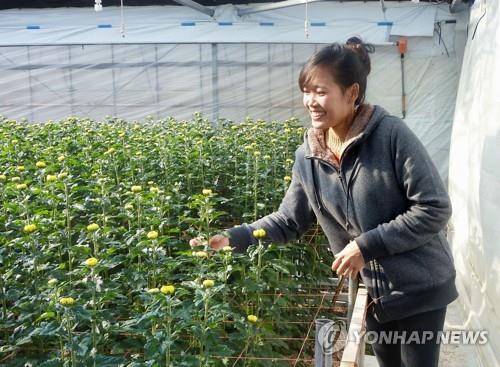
<point>340,131</point>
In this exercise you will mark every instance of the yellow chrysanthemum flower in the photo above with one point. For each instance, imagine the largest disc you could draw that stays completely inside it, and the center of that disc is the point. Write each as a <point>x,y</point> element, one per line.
<point>62,175</point>
<point>22,186</point>
<point>20,168</point>
<point>227,249</point>
<point>259,233</point>
<point>208,283</point>
<point>152,235</point>
<point>30,228</point>
<point>61,158</point>
<point>67,301</point>
<point>136,189</point>
<point>206,192</point>
<point>287,178</point>
<point>41,164</point>
<point>252,318</point>
<point>201,254</point>
<point>51,178</point>
<point>92,227</point>
<point>153,290</point>
<point>167,289</point>
<point>91,262</point>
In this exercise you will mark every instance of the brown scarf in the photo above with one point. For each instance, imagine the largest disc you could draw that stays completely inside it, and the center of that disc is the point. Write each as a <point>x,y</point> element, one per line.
<point>325,144</point>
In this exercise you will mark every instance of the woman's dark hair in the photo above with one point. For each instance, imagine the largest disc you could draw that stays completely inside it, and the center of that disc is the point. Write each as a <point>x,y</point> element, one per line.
<point>349,64</point>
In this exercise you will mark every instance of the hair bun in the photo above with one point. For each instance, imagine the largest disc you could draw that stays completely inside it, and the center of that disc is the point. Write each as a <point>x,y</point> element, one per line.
<point>362,50</point>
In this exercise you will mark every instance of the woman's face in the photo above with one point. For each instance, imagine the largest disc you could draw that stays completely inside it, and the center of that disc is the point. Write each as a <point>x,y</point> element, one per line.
<point>328,105</point>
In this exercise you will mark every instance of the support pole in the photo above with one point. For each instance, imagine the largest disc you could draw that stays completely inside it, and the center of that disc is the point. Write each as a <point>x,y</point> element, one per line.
<point>403,47</point>
<point>322,343</point>
<point>353,291</point>
<point>215,85</point>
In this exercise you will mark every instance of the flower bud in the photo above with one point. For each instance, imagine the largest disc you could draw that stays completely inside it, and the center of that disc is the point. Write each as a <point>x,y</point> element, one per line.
<point>259,233</point>
<point>167,289</point>
<point>152,235</point>
<point>208,283</point>
<point>91,262</point>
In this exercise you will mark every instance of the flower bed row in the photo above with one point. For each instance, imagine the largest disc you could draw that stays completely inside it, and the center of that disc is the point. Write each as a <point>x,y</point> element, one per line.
<point>95,265</point>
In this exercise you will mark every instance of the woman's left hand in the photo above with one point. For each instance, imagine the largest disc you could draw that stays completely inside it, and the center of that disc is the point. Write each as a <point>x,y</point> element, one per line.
<point>349,261</point>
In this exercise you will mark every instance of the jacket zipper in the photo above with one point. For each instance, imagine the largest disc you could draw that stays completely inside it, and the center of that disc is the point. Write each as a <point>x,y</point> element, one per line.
<point>345,185</point>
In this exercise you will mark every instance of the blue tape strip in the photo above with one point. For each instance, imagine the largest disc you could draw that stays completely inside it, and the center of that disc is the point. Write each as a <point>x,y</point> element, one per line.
<point>225,23</point>
<point>385,23</point>
<point>318,24</point>
<point>33,27</point>
<point>104,26</point>
<point>188,24</point>
<point>266,24</point>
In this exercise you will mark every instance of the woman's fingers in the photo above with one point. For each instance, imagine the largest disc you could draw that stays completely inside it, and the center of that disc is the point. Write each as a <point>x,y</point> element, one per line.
<point>195,242</point>
<point>336,262</point>
<point>343,266</point>
<point>218,241</point>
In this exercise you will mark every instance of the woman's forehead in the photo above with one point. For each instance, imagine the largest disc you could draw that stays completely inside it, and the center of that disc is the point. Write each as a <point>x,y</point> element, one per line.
<point>319,77</point>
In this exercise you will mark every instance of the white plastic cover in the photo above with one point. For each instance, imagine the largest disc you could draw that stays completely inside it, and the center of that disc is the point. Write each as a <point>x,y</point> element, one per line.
<point>226,80</point>
<point>328,22</point>
<point>474,178</point>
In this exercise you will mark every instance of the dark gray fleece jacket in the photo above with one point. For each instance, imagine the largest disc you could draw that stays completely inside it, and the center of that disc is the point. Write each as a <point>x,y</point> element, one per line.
<point>385,194</point>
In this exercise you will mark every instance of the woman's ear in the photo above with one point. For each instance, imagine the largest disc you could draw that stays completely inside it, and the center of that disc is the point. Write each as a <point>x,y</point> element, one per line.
<point>353,93</point>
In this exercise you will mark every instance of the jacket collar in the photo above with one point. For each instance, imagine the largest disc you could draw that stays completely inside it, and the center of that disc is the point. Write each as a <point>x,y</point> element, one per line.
<point>364,123</point>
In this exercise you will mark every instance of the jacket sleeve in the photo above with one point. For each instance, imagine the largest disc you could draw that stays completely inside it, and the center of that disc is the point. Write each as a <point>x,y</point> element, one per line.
<point>429,206</point>
<point>290,222</point>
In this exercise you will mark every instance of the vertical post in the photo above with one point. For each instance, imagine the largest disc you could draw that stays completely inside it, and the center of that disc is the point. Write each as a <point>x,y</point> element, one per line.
<point>113,66</point>
<point>269,92</point>
<point>246,80</point>
<point>322,343</point>
<point>202,92</point>
<point>292,84</point>
<point>32,113</point>
<point>215,84</point>
<point>70,77</point>
<point>157,87</point>
<point>353,290</point>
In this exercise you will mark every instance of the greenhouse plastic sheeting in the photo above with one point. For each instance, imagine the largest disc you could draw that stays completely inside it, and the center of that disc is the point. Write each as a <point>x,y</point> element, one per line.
<point>328,22</point>
<point>474,179</point>
<point>222,80</point>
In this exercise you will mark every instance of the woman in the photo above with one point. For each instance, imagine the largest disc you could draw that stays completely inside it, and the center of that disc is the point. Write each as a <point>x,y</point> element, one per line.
<point>369,182</point>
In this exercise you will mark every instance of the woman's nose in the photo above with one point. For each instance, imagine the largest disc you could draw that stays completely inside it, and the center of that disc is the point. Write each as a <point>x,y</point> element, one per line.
<point>311,100</point>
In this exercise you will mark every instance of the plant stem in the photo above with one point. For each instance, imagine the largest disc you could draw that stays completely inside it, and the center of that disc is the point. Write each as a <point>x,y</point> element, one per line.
<point>68,227</point>
<point>94,315</point>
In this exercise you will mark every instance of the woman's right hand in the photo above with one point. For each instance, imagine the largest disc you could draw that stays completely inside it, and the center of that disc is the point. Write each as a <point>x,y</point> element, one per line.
<point>218,242</point>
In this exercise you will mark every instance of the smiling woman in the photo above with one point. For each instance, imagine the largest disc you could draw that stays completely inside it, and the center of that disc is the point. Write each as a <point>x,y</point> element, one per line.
<point>334,85</point>
<point>371,185</point>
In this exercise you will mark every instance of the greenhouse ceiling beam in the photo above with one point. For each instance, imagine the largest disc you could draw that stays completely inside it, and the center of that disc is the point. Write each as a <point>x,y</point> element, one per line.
<point>278,5</point>
<point>194,5</point>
